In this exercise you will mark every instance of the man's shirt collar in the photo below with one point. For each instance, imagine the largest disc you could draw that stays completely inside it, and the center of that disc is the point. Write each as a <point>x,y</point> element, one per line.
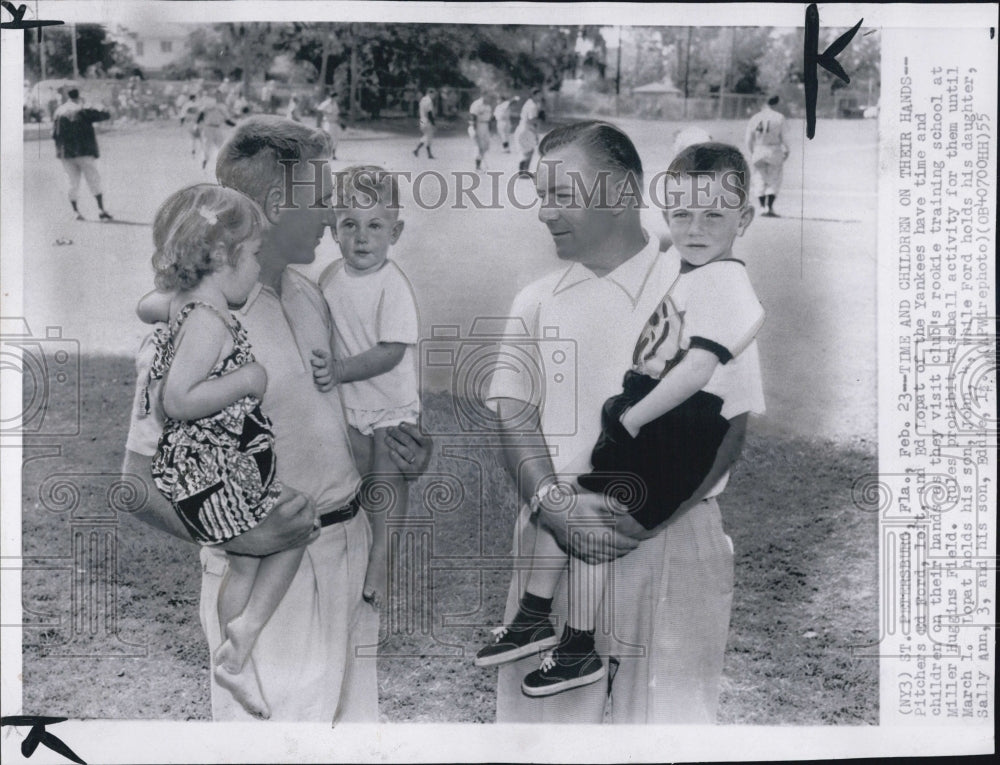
<point>631,276</point>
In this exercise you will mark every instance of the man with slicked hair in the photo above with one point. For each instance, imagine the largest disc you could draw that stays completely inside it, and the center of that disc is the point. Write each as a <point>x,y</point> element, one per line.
<point>665,629</point>
<point>310,656</point>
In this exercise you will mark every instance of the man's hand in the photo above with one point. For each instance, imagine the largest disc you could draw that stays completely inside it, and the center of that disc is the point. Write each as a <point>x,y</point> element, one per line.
<point>291,523</point>
<point>324,370</point>
<point>409,450</point>
<point>586,528</point>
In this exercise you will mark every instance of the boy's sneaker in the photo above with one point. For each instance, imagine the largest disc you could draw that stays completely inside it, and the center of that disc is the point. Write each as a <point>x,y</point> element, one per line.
<point>561,672</point>
<point>510,644</point>
<point>105,216</point>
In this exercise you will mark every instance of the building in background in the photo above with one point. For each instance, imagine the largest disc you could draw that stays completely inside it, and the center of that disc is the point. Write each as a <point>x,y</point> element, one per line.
<point>155,46</point>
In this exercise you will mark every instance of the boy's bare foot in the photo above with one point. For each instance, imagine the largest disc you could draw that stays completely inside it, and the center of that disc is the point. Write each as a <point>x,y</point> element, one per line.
<point>376,585</point>
<point>245,688</point>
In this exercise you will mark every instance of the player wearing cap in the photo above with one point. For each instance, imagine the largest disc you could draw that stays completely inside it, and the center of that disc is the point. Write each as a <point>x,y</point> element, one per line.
<point>768,151</point>
<point>480,114</point>
<point>526,134</point>
<point>502,115</point>
<point>331,122</point>
<point>426,112</point>
<point>76,146</point>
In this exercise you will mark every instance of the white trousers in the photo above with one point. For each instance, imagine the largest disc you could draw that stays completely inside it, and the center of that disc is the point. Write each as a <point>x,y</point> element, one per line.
<point>76,167</point>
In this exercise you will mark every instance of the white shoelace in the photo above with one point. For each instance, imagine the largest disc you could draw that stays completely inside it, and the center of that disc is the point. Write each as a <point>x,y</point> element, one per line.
<point>548,661</point>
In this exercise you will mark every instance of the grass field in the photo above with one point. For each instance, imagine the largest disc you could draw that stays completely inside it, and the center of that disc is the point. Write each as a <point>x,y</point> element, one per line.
<point>806,579</point>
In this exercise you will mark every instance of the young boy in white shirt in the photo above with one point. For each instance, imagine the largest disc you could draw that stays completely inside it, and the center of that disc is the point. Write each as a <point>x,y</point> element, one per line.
<point>371,359</point>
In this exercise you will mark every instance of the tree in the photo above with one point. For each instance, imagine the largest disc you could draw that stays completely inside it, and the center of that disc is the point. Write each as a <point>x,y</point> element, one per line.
<point>93,48</point>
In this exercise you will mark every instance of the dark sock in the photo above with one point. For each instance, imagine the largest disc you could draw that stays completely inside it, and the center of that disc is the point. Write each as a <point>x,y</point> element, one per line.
<point>478,163</point>
<point>761,199</point>
<point>75,209</point>
<point>576,642</point>
<point>770,201</point>
<point>532,609</point>
<point>100,201</point>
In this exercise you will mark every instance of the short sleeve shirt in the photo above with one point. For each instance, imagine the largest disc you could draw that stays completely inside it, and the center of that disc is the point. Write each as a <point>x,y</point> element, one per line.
<point>330,109</point>
<point>426,109</point>
<point>766,128</point>
<point>713,307</point>
<point>369,309</point>
<point>481,111</point>
<point>569,341</point>
<point>502,111</point>
<point>529,112</point>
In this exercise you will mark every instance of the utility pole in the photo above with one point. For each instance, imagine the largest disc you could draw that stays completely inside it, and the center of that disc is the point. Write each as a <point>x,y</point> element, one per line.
<point>687,72</point>
<point>354,73</point>
<point>41,52</point>
<point>618,74</point>
<point>76,64</point>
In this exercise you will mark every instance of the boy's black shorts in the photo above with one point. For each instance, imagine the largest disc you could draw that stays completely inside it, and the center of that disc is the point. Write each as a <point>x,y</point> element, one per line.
<point>658,470</point>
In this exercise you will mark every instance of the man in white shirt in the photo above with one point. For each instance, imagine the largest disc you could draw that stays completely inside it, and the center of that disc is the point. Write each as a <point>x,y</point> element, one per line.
<point>306,657</point>
<point>668,641</point>
<point>425,111</point>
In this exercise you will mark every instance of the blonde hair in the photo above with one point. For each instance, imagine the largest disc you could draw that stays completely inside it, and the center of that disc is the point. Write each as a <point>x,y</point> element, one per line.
<point>191,224</point>
<point>250,160</point>
<point>365,186</point>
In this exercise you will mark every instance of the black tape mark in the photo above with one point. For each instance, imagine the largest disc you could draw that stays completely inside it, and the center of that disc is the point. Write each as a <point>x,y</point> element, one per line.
<point>17,14</point>
<point>827,59</point>
<point>38,735</point>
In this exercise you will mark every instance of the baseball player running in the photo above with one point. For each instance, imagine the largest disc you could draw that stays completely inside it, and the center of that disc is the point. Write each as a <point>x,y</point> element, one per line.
<point>502,114</point>
<point>426,112</point>
<point>480,114</point>
<point>526,134</point>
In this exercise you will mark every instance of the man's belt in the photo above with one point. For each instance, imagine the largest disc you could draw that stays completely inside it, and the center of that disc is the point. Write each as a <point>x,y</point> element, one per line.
<point>341,514</point>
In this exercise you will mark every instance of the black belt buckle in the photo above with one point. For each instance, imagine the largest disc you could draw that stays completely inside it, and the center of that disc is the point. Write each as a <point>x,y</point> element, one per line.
<point>341,514</point>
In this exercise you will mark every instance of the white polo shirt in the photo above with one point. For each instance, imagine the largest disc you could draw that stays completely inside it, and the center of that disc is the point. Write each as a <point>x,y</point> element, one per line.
<point>580,330</point>
<point>310,436</point>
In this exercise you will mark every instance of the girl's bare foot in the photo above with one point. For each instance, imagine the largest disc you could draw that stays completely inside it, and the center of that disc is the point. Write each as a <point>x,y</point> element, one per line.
<point>245,688</point>
<point>376,585</point>
<point>235,649</point>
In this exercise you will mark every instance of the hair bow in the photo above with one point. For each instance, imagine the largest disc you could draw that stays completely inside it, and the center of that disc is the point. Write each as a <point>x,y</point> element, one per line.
<point>208,215</point>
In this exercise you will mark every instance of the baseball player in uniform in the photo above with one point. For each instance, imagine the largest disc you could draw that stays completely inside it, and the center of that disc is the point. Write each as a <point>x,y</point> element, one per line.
<point>426,111</point>
<point>480,114</point>
<point>330,110</point>
<point>526,134</point>
<point>189,118</point>
<point>768,151</point>
<point>502,114</point>
<point>211,119</point>
<point>76,146</point>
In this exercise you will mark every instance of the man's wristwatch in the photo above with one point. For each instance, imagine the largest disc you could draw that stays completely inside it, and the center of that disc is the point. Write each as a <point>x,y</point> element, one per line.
<point>535,503</point>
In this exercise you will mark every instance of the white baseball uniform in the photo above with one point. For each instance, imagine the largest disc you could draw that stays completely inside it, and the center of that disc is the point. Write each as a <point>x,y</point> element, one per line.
<point>768,150</point>
<point>330,110</point>
<point>502,114</point>
<point>481,113</point>
<point>426,112</point>
<point>526,135</point>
